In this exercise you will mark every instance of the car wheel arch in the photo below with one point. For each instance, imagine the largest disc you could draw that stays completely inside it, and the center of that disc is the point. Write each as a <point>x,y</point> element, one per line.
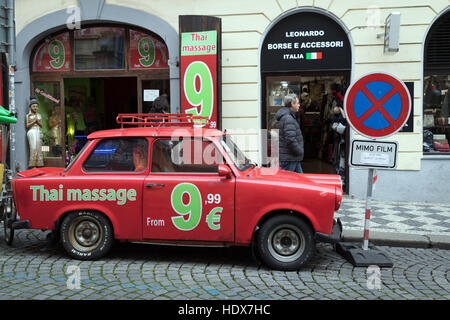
<point>277,212</point>
<point>64,214</point>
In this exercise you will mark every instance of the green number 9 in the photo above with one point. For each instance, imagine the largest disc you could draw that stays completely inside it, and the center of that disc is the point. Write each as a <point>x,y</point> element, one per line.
<point>205,96</point>
<point>57,53</point>
<point>146,49</point>
<point>193,210</point>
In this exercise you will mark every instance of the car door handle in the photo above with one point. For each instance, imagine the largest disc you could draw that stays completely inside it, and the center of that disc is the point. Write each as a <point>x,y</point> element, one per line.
<point>149,185</point>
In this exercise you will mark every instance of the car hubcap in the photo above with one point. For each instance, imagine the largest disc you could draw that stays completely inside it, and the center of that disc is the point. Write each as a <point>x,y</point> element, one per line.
<point>286,243</point>
<point>85,234</point>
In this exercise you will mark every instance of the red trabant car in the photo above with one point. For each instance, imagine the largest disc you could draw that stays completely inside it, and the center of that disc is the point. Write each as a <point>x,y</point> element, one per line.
<point>169,182</point>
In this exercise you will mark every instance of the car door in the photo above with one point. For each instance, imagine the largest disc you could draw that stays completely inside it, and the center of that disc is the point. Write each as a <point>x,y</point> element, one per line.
<point>184,196</point>
<point>112,183</point>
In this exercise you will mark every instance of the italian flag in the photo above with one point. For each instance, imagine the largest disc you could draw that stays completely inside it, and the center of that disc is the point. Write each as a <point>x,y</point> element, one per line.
<point>313,55</point>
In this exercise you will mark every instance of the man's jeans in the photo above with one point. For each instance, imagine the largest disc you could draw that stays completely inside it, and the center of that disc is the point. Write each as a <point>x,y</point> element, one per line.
<point>295,166</point>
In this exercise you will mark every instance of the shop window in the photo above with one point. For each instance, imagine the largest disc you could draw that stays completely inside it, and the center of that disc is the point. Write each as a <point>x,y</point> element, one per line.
<point>436,114</point>
<point>277,89</point>
<point>99,48</point>
<point>53,54</point>
<point>436,100</point>
<point>49,101</point>
<point>147,52</point>
<point>185,155</point>
<point>118,155</point>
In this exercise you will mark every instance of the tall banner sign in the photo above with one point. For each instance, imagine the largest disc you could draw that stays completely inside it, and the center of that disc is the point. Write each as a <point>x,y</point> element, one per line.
<point>199,71</point>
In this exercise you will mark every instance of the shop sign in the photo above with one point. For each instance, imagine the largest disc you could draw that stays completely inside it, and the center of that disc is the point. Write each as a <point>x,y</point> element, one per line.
<point>306,41</point>
<point>53,55</point>
<point>147,52</point>
<point>198,67</point>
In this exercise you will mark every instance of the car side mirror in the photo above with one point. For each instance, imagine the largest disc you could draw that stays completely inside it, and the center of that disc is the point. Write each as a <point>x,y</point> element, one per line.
<point>224,171</point>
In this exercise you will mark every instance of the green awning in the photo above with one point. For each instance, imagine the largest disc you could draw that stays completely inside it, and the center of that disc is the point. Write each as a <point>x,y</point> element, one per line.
<point>6,116</point>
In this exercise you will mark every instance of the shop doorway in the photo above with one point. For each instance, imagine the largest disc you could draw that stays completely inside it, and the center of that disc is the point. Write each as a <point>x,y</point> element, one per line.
<point>100,100</point>
<point>321,99</point>
<point>92,104</point>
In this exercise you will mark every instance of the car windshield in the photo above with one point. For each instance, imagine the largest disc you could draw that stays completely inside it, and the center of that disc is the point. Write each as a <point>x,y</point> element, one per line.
<point>236,155</point>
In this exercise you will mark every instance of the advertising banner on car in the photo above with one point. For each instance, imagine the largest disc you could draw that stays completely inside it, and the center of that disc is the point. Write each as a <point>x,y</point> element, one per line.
<point>198,67</point>
<point>53,55</point>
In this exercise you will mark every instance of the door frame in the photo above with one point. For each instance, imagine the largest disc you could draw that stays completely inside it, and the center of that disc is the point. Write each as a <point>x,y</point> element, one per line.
<point>298,74</point>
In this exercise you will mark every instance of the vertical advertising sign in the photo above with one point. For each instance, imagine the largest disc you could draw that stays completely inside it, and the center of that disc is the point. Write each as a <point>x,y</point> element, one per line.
<point>198,68</point>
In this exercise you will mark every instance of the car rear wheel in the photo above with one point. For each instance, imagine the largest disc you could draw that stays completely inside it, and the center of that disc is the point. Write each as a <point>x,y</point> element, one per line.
<point>285,242</point>
<point>86,235</point>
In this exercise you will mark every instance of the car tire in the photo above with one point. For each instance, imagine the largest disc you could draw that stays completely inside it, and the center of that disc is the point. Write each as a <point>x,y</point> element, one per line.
<point>86,235</point>
<point>285,242</point>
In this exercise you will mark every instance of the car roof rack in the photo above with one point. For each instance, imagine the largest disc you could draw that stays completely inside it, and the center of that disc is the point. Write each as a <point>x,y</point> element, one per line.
<point>161,120</point>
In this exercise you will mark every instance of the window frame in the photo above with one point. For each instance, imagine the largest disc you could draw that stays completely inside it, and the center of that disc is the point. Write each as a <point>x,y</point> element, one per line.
<point>158,73</point>
<point>432,46</point>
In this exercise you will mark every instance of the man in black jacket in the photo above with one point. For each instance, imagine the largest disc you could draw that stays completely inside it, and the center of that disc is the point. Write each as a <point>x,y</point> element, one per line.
<point>291,139</point>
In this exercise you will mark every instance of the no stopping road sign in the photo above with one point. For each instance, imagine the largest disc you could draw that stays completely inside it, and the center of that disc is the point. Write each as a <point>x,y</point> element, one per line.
<point>377,105</point>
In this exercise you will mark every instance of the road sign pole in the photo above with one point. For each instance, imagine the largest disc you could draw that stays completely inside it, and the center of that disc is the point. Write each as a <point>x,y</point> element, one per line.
<point>363,256</point>
<point>370,188</point>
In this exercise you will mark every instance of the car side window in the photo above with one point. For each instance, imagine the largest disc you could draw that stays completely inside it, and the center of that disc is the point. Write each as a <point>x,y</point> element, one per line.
<point>185,155</point>
<point>118,155</point>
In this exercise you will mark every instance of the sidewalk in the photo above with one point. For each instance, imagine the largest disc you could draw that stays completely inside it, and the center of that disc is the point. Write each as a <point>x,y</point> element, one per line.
<point>398,224</point>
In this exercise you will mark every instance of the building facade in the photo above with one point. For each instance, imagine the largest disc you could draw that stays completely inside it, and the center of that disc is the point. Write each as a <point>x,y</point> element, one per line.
<point>93,58</point>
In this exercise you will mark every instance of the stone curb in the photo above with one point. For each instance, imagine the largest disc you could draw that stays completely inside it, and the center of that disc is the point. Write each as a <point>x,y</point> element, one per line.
<point>399,239</point>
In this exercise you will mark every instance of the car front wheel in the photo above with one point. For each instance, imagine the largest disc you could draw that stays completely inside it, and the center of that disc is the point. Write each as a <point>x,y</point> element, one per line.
<point>86,235</point>
<point>285,242</point>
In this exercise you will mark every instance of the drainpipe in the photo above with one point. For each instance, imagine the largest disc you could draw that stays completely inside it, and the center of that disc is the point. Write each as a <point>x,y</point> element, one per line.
<point>12,64</point>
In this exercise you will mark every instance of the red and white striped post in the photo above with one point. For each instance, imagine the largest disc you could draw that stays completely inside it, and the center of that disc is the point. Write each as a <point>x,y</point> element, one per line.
<point>370,188</point>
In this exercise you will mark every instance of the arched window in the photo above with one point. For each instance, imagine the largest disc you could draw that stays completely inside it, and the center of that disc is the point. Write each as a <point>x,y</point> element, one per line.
<point>83,78</point>
<point>436,100</point>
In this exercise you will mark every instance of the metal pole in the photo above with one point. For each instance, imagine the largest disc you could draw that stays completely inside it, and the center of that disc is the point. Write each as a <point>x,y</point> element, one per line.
<point>368,208</point>
<point>12,64</point>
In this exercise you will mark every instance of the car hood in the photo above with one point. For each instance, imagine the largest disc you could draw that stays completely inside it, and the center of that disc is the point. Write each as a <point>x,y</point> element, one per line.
<point>278,175</point>
<point>37,172</point>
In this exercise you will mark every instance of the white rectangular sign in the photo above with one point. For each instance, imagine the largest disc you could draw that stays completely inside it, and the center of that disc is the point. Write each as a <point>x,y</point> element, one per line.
<point>374,154</point>
<point>150,94</point>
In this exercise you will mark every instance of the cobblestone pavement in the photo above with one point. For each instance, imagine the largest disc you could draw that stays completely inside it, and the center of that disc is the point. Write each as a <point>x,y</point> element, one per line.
<point>139,271</point>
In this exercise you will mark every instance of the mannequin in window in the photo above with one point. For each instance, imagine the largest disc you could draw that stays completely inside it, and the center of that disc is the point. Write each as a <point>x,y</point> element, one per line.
<point>54,126</point>
<point>34,134</point>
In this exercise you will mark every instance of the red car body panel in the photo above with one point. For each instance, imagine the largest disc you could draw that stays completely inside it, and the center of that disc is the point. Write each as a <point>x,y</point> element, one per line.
<point>147,213</point>
<point>257,195</point>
